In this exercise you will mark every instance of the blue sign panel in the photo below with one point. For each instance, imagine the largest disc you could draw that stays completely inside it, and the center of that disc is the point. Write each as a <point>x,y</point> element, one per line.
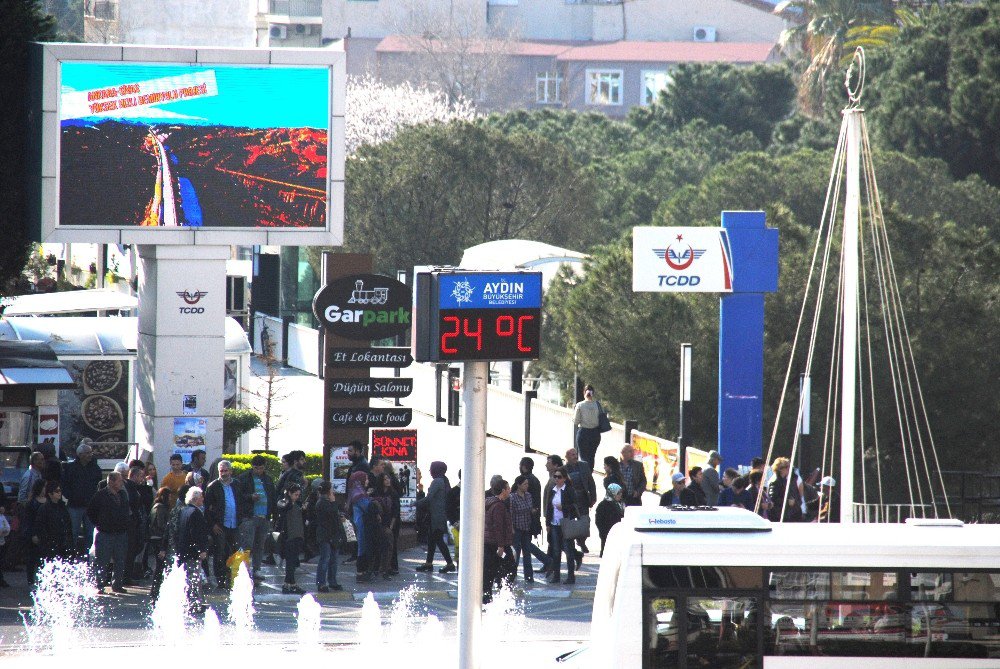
<point>481,290</point>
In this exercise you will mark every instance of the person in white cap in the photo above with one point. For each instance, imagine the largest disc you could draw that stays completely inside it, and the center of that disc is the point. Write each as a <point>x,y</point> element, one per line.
<point>829,511</point>
<point>673,496</point>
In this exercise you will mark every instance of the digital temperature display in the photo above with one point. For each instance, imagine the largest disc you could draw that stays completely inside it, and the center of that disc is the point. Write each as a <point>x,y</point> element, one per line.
<point>468,316</point>
<point>488,334</point>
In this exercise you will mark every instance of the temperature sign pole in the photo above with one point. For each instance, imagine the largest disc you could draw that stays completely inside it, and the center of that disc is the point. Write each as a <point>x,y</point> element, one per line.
<point>475,318</point>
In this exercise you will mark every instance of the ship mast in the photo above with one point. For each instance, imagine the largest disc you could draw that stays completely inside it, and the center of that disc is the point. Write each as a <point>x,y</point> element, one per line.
<point>850,271</point>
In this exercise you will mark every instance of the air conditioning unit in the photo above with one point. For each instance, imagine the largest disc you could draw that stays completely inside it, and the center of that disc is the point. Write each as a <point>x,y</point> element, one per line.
<point>279,32</point>
<point>703,34</point>
<point>300,29</point>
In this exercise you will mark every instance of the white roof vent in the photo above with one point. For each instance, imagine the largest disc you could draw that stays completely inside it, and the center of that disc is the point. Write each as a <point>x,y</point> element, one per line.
<point>703,34</point>
<point>934,522</point>
<point>695,519</point>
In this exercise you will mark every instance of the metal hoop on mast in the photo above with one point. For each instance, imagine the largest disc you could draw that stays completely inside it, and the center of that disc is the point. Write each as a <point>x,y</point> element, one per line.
<point>856,68</point>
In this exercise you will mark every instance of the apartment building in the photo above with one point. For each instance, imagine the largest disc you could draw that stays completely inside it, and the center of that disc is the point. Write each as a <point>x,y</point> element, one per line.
<point>598,55</point>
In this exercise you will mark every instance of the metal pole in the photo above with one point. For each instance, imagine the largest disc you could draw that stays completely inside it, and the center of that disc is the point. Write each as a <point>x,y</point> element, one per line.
<point>849,351</point>
<point>475,377</point>
<point>805,399</point>
<point>685,399</point>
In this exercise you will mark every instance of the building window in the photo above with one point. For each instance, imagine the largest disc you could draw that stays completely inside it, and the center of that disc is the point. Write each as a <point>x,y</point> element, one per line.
<point>604,87</point>
<point>654,81</point>
<point>548,88</point>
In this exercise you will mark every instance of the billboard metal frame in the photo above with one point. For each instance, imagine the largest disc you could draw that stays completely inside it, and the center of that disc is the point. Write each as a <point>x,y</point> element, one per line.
<point>45,128</point>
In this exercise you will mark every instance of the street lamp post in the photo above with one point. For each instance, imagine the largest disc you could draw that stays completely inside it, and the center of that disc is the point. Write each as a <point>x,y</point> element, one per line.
<point>685,401</point>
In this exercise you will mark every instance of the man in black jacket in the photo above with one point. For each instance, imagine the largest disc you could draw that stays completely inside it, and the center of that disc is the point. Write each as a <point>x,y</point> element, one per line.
<point>224,508</point>
<point>259,504</point>
<point>110,513</point>
<point>694,494</point>
<point>191,545</point>
<point>80,479</point>
<point>581,473</point>
<point>526,466</point>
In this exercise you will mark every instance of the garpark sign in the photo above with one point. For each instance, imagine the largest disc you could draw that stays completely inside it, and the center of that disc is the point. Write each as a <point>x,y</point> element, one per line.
<point>364,307</point>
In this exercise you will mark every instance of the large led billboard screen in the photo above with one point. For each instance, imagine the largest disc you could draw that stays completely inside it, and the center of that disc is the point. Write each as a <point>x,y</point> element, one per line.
<point>186,146</point>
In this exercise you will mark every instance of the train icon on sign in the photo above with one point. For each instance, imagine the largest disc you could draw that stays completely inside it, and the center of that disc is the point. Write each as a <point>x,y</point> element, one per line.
<point>361,296</point>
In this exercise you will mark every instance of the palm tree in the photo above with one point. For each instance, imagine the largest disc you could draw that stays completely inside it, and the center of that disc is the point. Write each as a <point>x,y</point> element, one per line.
<point>828,31</point>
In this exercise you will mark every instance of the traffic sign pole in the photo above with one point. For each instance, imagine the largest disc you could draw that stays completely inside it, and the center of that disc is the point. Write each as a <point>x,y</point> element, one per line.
<point>475,377</point>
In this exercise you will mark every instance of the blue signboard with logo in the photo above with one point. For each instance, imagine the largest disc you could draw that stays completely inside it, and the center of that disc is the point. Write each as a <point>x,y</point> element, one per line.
<point>466,316</point>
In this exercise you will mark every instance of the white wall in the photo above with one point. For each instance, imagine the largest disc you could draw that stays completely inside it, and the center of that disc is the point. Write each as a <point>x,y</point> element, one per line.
<point>303,348</point>
<point>189,22</point>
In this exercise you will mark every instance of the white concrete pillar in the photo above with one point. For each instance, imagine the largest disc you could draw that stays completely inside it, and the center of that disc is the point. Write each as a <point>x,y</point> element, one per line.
<point>181,347</point>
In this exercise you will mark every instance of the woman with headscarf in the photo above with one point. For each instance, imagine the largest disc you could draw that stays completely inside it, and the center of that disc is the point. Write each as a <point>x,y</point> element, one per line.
<point>613,472</point>
<point>435,500</point>
<point>609,512</point>
<point>357,505</point>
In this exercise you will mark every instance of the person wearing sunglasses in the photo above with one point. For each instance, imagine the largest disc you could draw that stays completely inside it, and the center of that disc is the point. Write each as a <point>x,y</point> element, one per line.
<point>561,505</point>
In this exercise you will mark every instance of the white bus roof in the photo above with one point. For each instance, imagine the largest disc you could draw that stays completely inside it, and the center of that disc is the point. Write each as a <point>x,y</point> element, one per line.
<point>862,545</point>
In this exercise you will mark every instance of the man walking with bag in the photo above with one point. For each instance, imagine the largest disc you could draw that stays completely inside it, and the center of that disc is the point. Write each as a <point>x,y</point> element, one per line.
<point>581,473</point>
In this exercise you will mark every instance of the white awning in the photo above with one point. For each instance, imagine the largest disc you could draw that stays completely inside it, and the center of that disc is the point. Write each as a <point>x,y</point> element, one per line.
<point>68,302</point>
<point>93,336</point>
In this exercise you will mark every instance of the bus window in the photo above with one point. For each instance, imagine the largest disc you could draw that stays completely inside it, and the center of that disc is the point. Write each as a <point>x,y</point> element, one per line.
<point>702,578</point>
<point>838,628</point>
<point>977,587</point>
<point>930,586</point>
<point>722,633</point>
<point>955,630</point>
<point>665,640</point>
<point>799,585</point>
<point>864,585</point>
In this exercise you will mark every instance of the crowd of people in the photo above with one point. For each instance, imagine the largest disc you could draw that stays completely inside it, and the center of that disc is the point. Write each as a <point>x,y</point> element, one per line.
<point>132,526</point>
<point>763,490</point>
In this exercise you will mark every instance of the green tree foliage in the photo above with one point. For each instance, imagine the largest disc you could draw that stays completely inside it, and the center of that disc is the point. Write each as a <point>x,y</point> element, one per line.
<point>939,93</point>
<point>944,240</point>
<point>744,99</point>
<point>433,191</point>
<point>236,423</point>
<point>22,21</point>
<point>827,35</point>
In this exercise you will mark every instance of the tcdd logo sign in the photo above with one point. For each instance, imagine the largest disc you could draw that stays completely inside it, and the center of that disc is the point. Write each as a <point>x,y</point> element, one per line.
<point>191,299</point>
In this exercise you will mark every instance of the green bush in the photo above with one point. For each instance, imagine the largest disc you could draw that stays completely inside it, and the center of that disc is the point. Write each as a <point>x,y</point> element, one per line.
<point>241,464</point>
<point>236,423</point>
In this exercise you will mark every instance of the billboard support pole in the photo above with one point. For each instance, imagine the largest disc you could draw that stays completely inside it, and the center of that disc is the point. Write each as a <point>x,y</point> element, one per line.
<point>475,377</point>
<point>182,318</point>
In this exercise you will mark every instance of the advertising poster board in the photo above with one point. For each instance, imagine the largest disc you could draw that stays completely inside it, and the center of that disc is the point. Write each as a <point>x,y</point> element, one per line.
<point>136,145</point>
<point>48,426</point>
<point>339,464</point>
<point>399,449</point>
<point>658,458</point>
<point>99,406</point>
<point>189,435</point>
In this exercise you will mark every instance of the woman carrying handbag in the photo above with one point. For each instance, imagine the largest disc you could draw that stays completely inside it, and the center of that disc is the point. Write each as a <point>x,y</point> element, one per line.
<point>561,507</point>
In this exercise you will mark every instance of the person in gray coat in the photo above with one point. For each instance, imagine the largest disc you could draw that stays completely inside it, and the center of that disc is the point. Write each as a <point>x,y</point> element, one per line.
<point>710,479</point>
<point>435,502</point>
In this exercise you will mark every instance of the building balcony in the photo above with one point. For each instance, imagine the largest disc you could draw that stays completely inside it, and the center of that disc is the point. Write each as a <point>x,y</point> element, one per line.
<point>297,8</point>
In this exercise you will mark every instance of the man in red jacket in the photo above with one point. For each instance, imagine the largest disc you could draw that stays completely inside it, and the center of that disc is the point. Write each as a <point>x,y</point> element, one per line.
<point>498,536</point>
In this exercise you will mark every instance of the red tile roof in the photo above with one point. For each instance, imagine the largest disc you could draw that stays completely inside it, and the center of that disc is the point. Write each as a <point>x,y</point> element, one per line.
<point>671,52</point>
<point>411,44</point>
<point>622,51</point>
